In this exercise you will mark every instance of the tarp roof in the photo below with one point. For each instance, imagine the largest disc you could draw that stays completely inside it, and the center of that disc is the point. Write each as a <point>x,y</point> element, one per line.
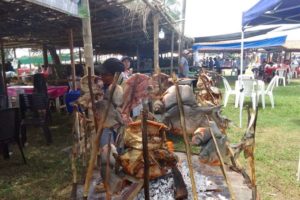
<point>233,36</point>
<point>267,12</point>
<point>269,42</point>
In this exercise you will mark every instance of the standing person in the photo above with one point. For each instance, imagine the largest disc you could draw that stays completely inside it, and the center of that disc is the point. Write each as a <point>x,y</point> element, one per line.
<point>210,63</point>
<point>184,65</point>
<point>127,71</point>
<point>107,71</point>
<point>217,65</point>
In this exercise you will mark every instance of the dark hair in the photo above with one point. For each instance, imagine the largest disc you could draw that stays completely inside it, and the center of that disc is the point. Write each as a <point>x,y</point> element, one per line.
<point>112,65</point>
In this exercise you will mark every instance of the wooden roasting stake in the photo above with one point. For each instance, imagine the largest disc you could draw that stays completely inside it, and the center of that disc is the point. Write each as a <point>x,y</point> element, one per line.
<point>96,142</point>
<point>185,137</point>
<point>251,159</point>
<point>107,170</point>
<point>145,151</point>
<point>222,166</point>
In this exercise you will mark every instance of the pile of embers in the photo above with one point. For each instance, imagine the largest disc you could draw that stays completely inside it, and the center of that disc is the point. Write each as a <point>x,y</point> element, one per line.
<point>163,187</point>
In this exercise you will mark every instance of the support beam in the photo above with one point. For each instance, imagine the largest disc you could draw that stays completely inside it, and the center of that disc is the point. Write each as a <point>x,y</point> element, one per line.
<point>156,42</point>
<point>172,52</point>
<point>87,37</point>
<point>45,56</point>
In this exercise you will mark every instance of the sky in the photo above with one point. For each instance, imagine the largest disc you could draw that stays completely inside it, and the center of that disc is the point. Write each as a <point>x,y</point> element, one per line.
<point>215,17</point>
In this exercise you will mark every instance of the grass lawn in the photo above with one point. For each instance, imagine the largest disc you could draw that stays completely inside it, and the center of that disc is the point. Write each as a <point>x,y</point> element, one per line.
<point>48,175</point>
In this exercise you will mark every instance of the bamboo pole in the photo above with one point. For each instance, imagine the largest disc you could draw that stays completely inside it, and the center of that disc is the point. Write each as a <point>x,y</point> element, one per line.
<point>172,52</point>
<point>92,97</point>
<point>138,58</point>
<point>87,37</point>
<point>96,142</point>
<point>185,137</point>
<point>156,42</point>
<point>80,56</point>
<point>252,159</point>
<point>72,59</point>
<point>145,151</point>
<point>222,166</point>
<point>181,42</point>
<point>107,171</point>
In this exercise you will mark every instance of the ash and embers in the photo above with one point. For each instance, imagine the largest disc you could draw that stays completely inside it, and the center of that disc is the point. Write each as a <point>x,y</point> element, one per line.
<point>163,188</point>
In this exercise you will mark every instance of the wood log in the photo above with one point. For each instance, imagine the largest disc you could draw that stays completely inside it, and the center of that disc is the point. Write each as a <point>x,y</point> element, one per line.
<point>145,151</point>
<point>180,191</point>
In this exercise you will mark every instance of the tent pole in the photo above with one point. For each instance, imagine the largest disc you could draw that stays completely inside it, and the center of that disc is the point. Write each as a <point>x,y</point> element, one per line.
<point>242,52</point>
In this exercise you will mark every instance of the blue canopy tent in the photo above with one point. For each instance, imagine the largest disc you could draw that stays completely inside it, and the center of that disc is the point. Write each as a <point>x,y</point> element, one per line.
<point>267,12</point>
<point>269,42</point>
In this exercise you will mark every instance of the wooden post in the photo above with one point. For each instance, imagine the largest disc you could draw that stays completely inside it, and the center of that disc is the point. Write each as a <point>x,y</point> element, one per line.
<point>3,78</point>
<point>29,53</point>
<point>172,52</point>
<point>15,53</point>
<point>156,42</point>
<point>45,56</point>
<point>72,60</point>
<point>87,37</point>
<point>80,56</point>
<point>181,42</point>
<point>138,59</point>
<point>145,151</point>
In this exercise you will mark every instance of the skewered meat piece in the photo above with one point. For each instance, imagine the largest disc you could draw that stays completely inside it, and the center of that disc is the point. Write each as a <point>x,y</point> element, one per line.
<point>160,83</point>
<point>187,96</point>
<point>160,159</point>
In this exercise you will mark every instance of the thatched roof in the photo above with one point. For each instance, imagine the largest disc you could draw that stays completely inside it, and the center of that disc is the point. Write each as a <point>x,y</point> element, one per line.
<point>117,26</point>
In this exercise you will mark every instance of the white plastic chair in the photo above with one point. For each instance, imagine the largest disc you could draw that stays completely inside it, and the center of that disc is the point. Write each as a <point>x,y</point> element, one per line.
<point>281,76</point>
<point>248,90</point>
<point>293,73</point>
<point>229,91</point>
<point>268,91</point>
<point>234,72</point>
<point>246,76</point>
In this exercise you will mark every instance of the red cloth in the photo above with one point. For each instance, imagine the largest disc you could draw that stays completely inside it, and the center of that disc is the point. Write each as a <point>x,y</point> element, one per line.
<point>53,91</point>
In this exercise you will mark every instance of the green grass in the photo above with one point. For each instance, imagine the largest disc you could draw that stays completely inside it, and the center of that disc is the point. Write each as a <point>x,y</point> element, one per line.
<point>277,142</point>
<point>48,175</point>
